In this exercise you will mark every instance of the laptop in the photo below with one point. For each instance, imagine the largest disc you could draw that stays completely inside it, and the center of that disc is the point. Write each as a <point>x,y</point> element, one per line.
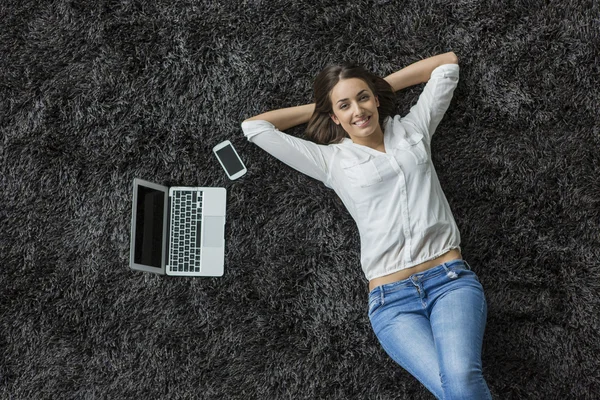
<point>178,230</point>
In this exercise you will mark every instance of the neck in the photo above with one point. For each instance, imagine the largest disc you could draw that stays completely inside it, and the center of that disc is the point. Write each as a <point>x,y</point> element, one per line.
<point>374,141</point>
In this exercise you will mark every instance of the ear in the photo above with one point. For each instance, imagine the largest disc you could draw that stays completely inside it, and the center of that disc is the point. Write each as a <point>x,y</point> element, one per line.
<point>377,101</point>
<point>335,119</point>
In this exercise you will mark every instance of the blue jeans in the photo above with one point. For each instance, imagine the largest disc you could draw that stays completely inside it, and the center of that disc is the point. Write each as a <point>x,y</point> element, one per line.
<point>432,325</point>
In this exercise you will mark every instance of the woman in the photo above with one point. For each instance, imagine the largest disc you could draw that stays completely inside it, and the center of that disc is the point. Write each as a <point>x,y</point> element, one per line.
<point>426,306</point>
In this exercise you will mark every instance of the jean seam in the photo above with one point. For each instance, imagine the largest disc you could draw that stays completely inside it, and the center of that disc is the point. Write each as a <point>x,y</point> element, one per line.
<point>374,307</point>
<point>410,371</point>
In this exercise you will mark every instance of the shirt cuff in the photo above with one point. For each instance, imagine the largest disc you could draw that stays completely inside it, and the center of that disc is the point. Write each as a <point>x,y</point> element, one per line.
<point>446,71</point>
<point>256,127</point>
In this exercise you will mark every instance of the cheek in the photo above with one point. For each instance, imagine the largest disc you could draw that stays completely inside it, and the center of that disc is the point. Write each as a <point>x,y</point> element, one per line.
<point>346,118</point>
<point>339,119</point>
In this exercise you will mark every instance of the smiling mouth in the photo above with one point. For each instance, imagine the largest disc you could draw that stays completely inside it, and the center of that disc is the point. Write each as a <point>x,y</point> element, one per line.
<point>362,122</point>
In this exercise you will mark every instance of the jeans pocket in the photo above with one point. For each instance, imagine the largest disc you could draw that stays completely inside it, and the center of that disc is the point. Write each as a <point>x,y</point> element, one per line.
<point>374,303</point>
<point>468,274</point>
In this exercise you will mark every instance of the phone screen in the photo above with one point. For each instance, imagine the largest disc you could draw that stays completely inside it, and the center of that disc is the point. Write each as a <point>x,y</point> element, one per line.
<point>230,160</point>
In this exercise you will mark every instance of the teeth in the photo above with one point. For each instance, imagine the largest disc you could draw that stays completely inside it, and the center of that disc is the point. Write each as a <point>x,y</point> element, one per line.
<point>361,122</point>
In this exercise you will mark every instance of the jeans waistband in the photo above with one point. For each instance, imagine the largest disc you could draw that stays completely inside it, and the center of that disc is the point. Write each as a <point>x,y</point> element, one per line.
<point>444,268</point>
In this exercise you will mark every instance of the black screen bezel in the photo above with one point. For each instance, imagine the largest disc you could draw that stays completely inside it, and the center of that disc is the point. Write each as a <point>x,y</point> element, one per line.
<point>135,262</point>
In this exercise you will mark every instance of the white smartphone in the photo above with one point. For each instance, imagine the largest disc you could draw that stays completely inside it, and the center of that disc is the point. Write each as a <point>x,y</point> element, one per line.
<point>229,159</point>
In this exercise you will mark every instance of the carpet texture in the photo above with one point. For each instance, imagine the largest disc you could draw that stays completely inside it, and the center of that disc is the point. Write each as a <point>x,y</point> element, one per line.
<point>96,93</point>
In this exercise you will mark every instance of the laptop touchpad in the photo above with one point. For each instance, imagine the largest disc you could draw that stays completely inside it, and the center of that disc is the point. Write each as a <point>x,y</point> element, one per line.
<point>214,231</point>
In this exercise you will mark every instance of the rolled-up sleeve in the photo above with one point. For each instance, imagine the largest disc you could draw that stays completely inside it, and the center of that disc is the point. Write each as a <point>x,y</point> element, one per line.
<point>305,156</point>
<point>435,100</point>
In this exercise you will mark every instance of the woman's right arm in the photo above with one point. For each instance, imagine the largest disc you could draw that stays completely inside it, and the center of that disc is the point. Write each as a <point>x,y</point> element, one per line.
<point>286,118</point>
<point>265,130</point>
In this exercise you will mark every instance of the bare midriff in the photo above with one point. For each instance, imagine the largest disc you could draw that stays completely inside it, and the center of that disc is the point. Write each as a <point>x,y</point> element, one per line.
<point>405,273</point>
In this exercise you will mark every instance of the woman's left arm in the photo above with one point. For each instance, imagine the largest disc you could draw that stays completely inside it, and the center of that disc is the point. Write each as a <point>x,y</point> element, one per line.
<point>420,71</point>
<point>442,79</point>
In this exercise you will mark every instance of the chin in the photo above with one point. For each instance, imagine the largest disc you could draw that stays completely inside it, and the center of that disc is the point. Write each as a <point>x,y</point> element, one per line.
<point>365,134</point>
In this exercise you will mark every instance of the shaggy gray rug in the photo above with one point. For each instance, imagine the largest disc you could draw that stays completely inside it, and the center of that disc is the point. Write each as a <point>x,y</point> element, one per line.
<point>95,93</point>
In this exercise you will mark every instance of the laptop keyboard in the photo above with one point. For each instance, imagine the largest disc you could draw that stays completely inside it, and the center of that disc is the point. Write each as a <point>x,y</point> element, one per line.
<point>186,223</point>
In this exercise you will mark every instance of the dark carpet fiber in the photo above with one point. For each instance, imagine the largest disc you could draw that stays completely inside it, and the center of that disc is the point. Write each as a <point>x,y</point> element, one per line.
<point>96,93</point>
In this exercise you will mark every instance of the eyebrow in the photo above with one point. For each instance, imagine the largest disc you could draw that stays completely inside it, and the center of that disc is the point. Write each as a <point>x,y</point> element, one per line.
<point>359,93</point>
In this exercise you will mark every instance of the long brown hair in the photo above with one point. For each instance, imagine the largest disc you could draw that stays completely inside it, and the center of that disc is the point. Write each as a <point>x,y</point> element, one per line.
<point>321,129</point>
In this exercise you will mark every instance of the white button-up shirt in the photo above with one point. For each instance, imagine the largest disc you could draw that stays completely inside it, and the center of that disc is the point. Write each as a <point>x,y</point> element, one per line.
<point>395,197</point>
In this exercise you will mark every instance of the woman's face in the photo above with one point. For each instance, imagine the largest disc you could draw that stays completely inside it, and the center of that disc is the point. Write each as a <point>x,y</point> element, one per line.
<point>355,108</point>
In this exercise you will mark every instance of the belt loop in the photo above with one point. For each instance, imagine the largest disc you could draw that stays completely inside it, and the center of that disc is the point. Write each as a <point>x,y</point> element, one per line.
<point>450,274</point>
<point>467,264</point>
<point>381,295</point>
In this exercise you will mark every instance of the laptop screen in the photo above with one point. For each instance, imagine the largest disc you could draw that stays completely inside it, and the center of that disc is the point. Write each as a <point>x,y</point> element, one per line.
<point>149,226</point>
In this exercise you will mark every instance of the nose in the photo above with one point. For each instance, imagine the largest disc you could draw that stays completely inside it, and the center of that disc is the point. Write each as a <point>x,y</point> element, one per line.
<point>358,110</point>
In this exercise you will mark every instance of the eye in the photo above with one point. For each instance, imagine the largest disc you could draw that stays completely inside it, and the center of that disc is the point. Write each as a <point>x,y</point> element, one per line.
<point>343,106</point>
<point>365,97</point>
